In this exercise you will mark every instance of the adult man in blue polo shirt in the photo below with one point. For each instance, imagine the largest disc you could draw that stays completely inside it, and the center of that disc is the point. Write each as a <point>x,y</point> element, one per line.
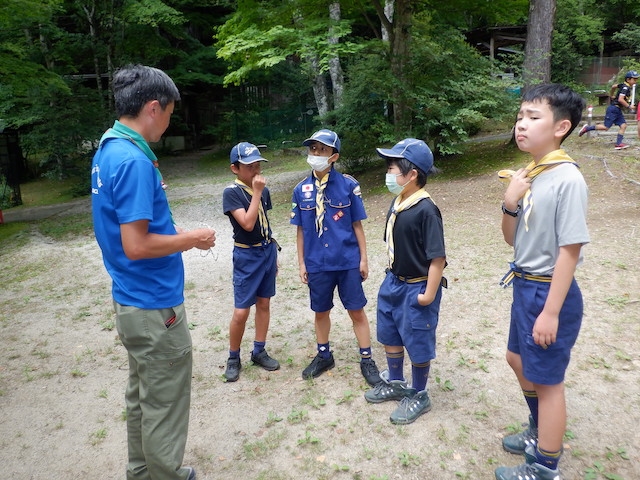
<point>141,249</point>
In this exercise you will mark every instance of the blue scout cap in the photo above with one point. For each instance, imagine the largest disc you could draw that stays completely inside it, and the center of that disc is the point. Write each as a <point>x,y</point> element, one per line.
<point>246,153</point>
<point>632,74</point>
<point>414,150</point>
<point>328,137</point>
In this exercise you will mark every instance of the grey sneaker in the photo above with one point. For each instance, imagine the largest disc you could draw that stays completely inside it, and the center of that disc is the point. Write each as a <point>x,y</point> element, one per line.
<point>265,361</point>
<point>411,408</point>
<point>318,366</point>
<point>387,390</point>
<point>530,456</point>
<point>527,471</point>
<point>370,371</point>
<point>192,473</point>
<point>517,442</point>
<point>232,373</point>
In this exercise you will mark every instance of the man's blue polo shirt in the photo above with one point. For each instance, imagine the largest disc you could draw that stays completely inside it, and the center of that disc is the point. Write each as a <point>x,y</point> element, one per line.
<point>126,188</point>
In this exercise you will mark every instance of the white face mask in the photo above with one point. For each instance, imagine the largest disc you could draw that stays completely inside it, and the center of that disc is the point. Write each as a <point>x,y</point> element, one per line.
<point>318,163</point>
<point>391,180</point>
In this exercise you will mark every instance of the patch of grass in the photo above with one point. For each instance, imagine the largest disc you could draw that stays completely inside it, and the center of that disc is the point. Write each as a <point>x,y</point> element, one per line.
<point>98,436</point>
<point>261,448</point>
<point>63,226</point>
<point>46,191</point>
<point>13,235</point>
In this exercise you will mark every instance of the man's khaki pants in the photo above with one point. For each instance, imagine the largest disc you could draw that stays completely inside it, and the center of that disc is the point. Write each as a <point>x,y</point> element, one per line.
<point>158,394</point>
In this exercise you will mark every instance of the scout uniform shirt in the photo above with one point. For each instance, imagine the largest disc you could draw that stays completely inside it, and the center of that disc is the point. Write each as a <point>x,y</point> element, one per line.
<point>335,247</point>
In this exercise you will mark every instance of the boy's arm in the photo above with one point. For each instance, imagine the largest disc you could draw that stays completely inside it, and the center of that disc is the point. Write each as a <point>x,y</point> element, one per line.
<point>247,218</point>
<point>546,326</point>
<point>362,244</point>
<point>433,281</point>
<point>300,245</point>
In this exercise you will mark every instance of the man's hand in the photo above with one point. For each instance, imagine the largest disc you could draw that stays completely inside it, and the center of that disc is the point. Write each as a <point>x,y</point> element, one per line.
<point>205,238</point>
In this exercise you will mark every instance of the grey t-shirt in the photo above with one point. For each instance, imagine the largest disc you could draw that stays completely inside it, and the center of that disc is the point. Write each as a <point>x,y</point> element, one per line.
<point>558,218</point>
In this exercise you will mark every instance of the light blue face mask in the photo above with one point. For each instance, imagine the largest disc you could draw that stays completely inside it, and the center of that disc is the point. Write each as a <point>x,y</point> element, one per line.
<point>391,180</point>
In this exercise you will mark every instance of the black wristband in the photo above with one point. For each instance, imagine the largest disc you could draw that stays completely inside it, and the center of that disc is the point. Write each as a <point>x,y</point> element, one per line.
<point>509,212</point>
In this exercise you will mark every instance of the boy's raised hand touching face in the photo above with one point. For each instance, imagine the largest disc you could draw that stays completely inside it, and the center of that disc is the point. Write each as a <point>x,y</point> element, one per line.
<point>518,185</point>
<point>258,183</point>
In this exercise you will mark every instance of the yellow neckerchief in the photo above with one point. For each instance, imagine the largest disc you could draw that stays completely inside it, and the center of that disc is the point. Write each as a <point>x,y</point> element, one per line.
<point>399,206</point>
<point>320,186</point>
<point>552,158</point>
<point>262,217</point>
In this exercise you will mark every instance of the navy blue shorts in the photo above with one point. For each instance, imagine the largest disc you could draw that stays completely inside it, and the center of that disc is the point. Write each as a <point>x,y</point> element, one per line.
<point>402,321</point>
<point>323,284</point>
<point>540,365</point>
<point>613,116</point>
<point>254,274</point>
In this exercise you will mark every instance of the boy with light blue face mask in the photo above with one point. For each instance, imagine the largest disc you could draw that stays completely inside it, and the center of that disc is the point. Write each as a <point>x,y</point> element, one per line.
<point>409,297</point>
<point>327,210</point>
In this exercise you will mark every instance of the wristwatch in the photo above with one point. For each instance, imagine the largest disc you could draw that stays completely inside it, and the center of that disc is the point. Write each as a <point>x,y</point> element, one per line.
<point>506,211</point>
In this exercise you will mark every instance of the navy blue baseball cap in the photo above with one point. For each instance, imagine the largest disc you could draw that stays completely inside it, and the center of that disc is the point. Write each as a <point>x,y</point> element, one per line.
<point>632,74</point>
<point>327,137</point>
<point>246,153</point>
<point>414,150</point>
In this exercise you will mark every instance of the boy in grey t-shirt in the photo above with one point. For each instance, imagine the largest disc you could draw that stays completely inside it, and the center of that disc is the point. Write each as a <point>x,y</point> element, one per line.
<point>544,219</point>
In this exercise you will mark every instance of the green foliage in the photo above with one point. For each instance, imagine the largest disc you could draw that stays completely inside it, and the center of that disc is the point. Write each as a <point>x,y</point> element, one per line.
<point>451,90</point>
<point>629,36</point>
<point>578,33</point>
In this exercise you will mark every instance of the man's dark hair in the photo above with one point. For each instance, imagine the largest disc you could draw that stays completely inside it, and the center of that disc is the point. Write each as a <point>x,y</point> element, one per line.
<point>564,102</point>
<point>405,167</point>
<point>135,85</point>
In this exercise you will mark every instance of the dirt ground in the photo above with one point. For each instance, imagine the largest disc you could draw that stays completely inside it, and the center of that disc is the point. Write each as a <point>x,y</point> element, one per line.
<point>63,369</point>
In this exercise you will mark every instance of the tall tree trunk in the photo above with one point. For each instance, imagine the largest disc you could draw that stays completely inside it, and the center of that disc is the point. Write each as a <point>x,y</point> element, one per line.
<point>93,34</point>
<point>388,13</point>
<point>335,70</point>
<point>399,31</point>
<point>320,92</point>
<point>537,53</point>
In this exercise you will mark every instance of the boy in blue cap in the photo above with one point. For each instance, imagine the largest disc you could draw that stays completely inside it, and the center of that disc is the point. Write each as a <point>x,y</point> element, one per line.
<point>614,114</point>
<point>255,257</point>
<point>544,217</point>
<point>328,211</point>
<point>409,297</point>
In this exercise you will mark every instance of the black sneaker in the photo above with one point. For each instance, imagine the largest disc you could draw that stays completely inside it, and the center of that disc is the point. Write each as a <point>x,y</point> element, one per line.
<point>370,371</point>
<point>318,366</point>
<point>232,373</point>
<point>265,361</point>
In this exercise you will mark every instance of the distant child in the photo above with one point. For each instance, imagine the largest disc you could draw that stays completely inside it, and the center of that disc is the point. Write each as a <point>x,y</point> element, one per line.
<point>327,208</point>
<point>255,256</point>
<point>545,220</point>
<point>409,297</point>
<point>614,114</point>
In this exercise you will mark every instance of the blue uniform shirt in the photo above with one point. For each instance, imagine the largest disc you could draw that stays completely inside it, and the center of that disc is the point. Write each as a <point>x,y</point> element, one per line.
<point>125,188</point>
<point>337,248</point>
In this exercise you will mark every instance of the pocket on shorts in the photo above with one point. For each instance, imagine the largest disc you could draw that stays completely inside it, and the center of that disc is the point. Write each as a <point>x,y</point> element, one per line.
<point>421,317</point>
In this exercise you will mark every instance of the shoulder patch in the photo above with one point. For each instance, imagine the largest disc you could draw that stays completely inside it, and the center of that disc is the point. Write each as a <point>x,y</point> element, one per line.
<point>356,191</point>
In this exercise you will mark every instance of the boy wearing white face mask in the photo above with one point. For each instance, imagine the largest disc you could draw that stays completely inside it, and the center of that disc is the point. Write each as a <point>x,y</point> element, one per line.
<point>327,210</point>
<point>409,297</point>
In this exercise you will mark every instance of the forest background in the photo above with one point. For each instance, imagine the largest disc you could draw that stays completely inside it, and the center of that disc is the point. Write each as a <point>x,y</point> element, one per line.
<point>271,72</point>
